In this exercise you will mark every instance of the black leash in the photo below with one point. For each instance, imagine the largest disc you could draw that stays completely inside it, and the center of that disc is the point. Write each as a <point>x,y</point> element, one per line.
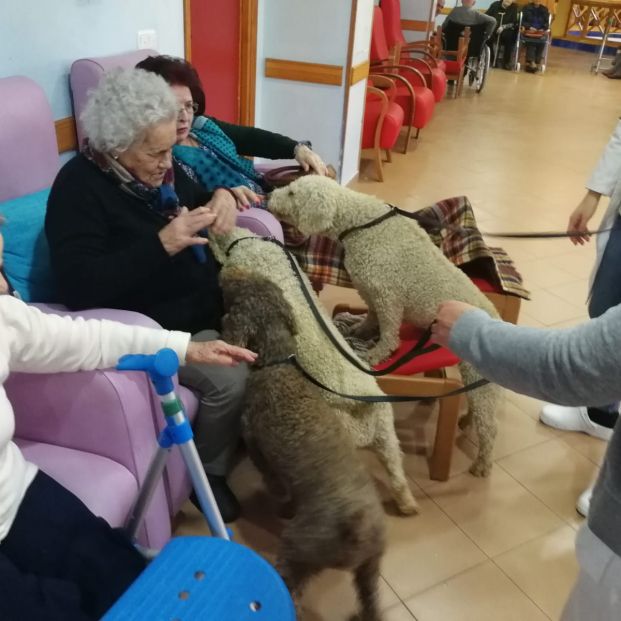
<point>377,398</point>
<point>418,349</point>
<point>432,225</point>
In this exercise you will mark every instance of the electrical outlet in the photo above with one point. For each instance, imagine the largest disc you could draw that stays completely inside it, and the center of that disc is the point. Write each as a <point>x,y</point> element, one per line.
<point>147,39</point>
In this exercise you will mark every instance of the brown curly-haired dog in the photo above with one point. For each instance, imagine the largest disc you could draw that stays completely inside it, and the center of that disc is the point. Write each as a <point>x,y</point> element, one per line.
<point>307,458</point>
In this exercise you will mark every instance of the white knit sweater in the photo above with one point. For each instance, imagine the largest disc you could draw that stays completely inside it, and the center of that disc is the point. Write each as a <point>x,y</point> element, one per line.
<point>33,342</point>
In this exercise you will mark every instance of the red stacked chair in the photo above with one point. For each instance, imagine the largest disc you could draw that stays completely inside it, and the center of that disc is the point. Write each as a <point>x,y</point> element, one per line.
<point>383,119</point>
<point>404,52</point>
<point>413,94</point>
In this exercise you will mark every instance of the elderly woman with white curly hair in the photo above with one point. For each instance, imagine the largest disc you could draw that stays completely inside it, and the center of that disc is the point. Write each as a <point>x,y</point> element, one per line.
<point>124,226</point>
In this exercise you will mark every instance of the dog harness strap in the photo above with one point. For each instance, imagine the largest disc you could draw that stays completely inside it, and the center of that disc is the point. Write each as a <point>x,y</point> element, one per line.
<point>384,398</point>
<point>389,214</point>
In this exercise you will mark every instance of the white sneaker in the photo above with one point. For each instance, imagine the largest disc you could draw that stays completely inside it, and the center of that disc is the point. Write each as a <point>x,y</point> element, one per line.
<point>572,419</point>
<point>584,502</point>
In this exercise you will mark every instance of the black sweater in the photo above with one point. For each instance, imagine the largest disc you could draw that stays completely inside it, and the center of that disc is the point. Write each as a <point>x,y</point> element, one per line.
<point>106,252</point>
<point>509,14</point>
<point>255,142</point>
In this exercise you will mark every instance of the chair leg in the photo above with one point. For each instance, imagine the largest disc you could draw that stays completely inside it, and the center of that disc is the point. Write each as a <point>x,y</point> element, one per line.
<point>440,462</point>
<point>408,135</point>
<point>417,134</point>
<point>388,156</point>
<point>378,165</point>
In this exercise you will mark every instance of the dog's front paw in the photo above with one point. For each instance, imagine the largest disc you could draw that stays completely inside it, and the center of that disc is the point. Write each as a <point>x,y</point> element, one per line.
<point>406,503</point>
<point>481,467</point>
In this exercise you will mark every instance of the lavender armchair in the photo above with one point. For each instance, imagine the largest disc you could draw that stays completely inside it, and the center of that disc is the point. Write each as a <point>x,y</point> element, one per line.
<point>94,432</point>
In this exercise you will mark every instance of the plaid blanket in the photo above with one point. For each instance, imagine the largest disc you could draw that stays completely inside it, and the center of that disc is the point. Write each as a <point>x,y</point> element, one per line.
<point>452,227</point>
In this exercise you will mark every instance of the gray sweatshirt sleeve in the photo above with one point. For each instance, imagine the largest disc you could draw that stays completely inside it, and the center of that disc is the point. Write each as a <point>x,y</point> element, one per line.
<point>574,366</point>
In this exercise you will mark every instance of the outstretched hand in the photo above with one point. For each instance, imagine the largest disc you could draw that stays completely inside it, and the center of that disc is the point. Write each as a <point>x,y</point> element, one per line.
<point>218,352</point>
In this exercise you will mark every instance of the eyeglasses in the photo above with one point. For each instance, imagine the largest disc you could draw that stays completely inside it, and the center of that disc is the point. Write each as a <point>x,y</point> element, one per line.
<point>189,108</point>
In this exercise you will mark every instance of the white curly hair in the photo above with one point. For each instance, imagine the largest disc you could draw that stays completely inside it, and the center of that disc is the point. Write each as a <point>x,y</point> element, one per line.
<point>124,104</point>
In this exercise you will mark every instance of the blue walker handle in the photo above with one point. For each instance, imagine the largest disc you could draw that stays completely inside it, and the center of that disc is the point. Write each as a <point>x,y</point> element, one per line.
<point>161,368</point>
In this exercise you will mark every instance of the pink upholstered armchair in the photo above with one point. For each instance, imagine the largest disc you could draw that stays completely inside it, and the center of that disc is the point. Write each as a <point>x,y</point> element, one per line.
<point>94,432</point>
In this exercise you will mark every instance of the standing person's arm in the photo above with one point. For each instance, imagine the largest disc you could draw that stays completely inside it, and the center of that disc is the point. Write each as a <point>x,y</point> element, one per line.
<point>602,181</point>
<point>574,366</point>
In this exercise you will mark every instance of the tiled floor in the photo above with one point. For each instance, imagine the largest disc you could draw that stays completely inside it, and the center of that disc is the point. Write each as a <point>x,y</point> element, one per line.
<point>499,549</point>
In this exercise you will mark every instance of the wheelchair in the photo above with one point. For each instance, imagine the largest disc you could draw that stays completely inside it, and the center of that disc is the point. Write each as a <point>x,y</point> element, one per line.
<point>478,56</point>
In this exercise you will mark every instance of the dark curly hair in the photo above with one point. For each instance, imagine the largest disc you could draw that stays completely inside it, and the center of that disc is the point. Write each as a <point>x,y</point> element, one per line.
<point>177,71</point>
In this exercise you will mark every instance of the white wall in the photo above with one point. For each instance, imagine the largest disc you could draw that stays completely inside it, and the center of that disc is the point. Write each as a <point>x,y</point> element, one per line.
<point>314,32</point>
<point>352,129</point>
<point>41,38</point>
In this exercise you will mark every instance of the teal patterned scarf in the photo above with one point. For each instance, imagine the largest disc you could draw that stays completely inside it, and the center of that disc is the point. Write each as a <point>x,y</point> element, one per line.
<point>216,161</point>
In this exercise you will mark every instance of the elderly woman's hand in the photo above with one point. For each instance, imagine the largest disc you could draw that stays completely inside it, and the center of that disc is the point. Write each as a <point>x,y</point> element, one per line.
<point>224,206</point>
<point>182,231</point>
<point>218,352</point>
<point>448,315</point>
<point>308,159</point>
<point>245,197</point>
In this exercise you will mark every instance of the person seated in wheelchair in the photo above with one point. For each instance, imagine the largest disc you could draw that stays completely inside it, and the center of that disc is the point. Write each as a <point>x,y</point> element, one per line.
<point>506,14</point>
<point>535,25</point>
<point>467,15</point>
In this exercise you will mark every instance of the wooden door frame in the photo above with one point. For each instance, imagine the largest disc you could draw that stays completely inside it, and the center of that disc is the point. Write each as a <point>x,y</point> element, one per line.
<point>247,36</point>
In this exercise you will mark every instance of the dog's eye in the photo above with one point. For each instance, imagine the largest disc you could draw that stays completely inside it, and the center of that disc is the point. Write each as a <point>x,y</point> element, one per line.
<point>291,192</point>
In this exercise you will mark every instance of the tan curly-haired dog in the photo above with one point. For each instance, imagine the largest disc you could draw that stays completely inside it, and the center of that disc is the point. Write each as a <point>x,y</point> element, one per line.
<point>306,456</point>
<point>398,272</point>
<point>369,424</point>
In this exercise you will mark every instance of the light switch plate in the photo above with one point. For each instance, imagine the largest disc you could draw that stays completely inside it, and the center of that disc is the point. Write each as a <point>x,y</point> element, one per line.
<point>147,39</point>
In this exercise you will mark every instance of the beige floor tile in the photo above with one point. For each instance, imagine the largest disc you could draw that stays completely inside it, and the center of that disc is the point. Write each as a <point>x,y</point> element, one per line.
<point>425,550</point>
<point>497,512</point>
<point>416,428</point>
<point>549,308</point>
<point>525,319</point>
<point>539,273</point>
<point>570,323</point>
<point>576,263</point>
<point>592,448</point>
<point>330,596</point>
<point>398,613</point>
<point>555,473</point>
<point>545,569</point>
<point>574,292</point>
<point>483,593</point>
<point>528,405</point>
<point>516,431</point>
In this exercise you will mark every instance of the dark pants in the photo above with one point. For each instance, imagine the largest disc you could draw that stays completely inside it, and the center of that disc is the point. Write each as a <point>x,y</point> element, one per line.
<point>606,293</point>
<point>61,563</point>
<point>534,48</point>
<point>507,43</point>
